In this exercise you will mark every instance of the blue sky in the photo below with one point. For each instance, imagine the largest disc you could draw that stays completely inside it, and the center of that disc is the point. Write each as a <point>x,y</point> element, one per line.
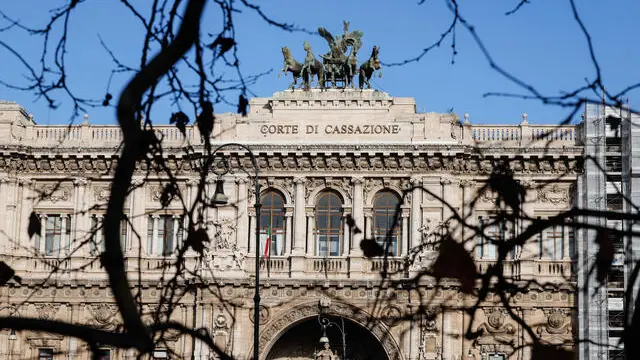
<point>540,44</point>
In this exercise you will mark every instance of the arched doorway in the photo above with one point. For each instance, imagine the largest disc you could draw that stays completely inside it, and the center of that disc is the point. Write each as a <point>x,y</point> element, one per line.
<point>301,341</point>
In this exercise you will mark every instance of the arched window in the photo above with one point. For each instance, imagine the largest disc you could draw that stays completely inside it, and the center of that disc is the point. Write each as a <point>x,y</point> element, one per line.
<point>385,205</point>
<point>272,224</point>
<point>329,224</point>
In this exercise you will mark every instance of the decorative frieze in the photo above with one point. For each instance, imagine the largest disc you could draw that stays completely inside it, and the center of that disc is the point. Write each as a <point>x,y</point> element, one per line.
<point>554,194</point>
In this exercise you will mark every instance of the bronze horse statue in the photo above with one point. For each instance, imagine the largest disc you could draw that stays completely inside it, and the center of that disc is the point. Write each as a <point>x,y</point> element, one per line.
<point>292,66</point>
<point>350,66</point>
<point>368,67</point>
<point>312,67</point>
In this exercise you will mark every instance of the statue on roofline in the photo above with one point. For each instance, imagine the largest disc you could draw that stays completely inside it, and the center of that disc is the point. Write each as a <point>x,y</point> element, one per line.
<point>338,67</point>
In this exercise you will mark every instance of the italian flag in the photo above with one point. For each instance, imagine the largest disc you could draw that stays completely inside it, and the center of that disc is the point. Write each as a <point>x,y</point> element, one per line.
<point>267,243</point>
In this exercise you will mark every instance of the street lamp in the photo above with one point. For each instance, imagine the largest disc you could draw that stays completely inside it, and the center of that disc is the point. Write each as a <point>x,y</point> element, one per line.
<point>219,198</point>
<point>324,339</point>
<point>12,334</point>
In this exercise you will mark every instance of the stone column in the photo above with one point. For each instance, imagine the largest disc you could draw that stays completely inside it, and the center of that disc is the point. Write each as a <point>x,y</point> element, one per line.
<point>211,213</point>
<point>357,214</point>
<point>368,227</point>
<point>530,249</point>
<point>138,218</point>
<point>26,207</point>
<point>64,241</point>
<point>5,244</point>
<point>466,212</point>
<point>288,237</point>
<point>447,331</point>
<point>447,197</point>
<point>151,249</point>
<point>11,223</point>
<point>299,225</point>
<point>96,247</point>
<point>416,211</point>
<point>311,245</point>
<point>176,223</point>
<point>192,192</point>
<point>43,231</point>
<point>243,218</point>
<point>80,227</point>
<point>565,243</point>
<point>346,234</point>
<point>404,249</point>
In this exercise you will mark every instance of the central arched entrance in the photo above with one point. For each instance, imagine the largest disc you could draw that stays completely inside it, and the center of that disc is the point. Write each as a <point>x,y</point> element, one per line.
<point>301,341</point>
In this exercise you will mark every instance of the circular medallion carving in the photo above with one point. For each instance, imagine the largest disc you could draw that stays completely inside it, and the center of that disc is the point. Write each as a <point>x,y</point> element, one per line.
<point>264,314</point>
<point>496,319</point>
<point>555,320</point>
<point>390,315</point>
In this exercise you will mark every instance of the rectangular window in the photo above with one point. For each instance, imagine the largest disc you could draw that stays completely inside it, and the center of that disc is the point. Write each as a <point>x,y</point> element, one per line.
<point>164,232</point>
<point>56,230</point>
<point>497,357</point>
<point>98,234</point>
<point>45,354</point>
<point>495,232</point>
<point>555,242</point>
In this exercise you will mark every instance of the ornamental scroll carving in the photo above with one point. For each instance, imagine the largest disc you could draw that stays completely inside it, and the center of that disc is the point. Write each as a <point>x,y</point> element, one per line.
<point>47,311</point>
<point>342,184</point>
<point>104,315</point>
<point>554,194</point>
<point>101,194</point>
<point>496,329</point>
<point>373,185</point>
<point>557,330</point>
<point>55,193</point>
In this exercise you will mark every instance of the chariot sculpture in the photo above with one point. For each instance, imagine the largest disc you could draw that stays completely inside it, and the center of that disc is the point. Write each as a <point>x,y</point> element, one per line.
<point>338,67</point>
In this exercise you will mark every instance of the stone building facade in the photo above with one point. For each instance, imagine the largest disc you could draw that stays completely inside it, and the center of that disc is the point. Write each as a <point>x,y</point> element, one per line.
<point>324,158</point>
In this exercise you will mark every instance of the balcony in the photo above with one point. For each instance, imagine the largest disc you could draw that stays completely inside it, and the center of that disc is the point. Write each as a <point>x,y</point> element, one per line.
<point>223,266</point>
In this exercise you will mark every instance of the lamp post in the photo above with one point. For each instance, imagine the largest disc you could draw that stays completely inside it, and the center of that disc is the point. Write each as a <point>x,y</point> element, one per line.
<point>325,323</point>
<point>220,198</point>
<point>12,333</point>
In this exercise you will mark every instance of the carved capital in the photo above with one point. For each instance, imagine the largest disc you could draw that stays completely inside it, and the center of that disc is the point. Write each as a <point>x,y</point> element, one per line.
<point>466,183</point>
<point>137,181</point>
<point>528,184</point>
<point>357,180</point>
<point>80,181</point>
<point>192,181</point>
<point>299,179</point>
<point>242,179</point>
<point>24,181</point>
